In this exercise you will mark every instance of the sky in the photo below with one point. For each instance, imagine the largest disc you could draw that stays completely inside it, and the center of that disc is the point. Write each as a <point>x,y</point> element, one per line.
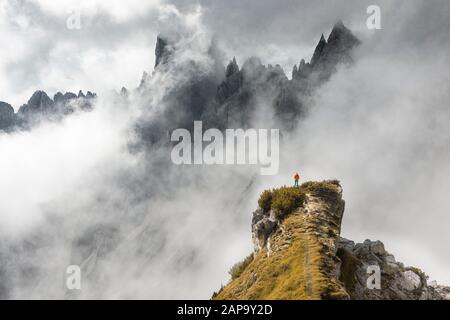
<point>380,127</point>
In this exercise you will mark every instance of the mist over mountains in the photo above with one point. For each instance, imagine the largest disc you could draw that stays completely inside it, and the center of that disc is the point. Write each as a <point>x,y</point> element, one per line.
<point>40,108</point>
<point>116,219</point>
<point>90,182</point>
<point>222,97</point>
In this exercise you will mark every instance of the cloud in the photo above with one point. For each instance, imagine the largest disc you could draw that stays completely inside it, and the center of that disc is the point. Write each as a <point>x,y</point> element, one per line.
<point>86,199</point>
<point>40,166</point>
<point>379,126</point>
<point>47,55</point>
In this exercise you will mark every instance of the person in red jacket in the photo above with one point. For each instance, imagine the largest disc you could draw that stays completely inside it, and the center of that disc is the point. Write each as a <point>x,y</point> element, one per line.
<point>296,178</point>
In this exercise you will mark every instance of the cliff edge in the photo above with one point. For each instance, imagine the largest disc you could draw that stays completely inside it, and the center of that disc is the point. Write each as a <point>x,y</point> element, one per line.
<point>299,254</point>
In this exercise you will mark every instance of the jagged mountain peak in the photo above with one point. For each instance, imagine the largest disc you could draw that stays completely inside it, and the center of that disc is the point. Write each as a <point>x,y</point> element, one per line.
<point>41,107</point>
<point>124,92</point>
<point>39,98</point>
<point>294,71</point>
<point>162,51</point>
<point>319,49</point>
<point>59,97</point>
<point>6,116</point>
<point>322,38</point>
<point>299,254</point>
<point>328,54</point>
<point>6,106</point>
<point>252,63</point>
<point>339,24</point>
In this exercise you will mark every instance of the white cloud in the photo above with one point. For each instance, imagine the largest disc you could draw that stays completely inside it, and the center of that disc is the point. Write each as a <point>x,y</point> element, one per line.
<point>39,166</point>
<point>119,10</point>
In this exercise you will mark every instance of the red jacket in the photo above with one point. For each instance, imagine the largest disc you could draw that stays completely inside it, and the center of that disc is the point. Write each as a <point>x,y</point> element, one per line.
<point>297,177</point>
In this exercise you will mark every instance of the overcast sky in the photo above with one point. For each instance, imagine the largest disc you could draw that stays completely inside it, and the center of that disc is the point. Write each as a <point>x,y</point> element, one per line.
<point>381,127</point>
<point>116,41</point>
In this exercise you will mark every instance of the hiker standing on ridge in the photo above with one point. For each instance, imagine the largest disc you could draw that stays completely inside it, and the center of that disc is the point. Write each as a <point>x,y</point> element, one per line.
<point>296,178</point>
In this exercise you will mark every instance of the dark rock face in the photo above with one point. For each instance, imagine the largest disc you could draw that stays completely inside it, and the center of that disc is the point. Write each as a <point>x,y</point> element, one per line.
<point>231,96</point>
<point>221,97</point>
<point>319,50</point>
<point>7,116</point>
<point>38,103</point>
<point>340,268</point>
<point>162,51</point>
<point>62,98</point>
<point>240,94</point>
<point>189,96</point>
<point>397,281</point>
<point>232,68</point>
<point>328,55</point>
<point>263,225</point>
<point>232,83</point>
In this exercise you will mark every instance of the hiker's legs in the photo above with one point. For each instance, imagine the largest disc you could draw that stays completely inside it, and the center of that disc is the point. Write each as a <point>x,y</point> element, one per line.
<point>296,184</point>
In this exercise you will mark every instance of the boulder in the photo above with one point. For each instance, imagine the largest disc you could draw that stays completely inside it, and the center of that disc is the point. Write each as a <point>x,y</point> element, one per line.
<point>410,280</point>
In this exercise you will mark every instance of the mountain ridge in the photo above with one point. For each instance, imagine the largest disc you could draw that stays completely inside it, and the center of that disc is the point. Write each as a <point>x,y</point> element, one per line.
<point>299,254</point>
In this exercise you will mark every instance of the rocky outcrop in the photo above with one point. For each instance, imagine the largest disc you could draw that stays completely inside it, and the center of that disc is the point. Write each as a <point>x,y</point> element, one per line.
<point>240,94</point>
<point>39,103</point>
<point>7,116</point>
<point>232,83</point>
<point>397,281</point>
<point>232,96</point>
<point>162,51</point>
<point>319,50</point>
<point>300,255</point>
<point>327,55</point>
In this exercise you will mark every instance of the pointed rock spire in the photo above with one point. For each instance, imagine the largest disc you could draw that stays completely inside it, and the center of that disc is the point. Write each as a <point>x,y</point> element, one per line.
<point>341,41</point>
<point>90,95</point>
<point>124,92</point>
<point>232,68</point>
<point>58,97</point>
<point>40,100</point>
<point>144,79</point>
<point>6,116</point>
<point>294,72</point>
<point>252,64</point>
<point>6,109</point>
<point>339,25</point>
<point>162,51</point>
<point>341,36</point>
